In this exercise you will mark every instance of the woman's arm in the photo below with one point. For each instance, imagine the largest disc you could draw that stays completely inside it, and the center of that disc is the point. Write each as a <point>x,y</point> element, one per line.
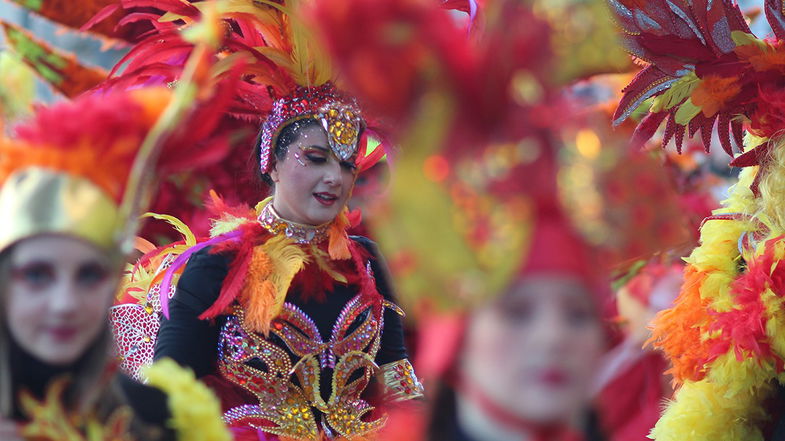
<point>184,337</point>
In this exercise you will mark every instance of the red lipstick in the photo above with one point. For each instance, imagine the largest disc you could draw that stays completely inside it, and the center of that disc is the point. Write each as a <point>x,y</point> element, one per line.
<point>62,333</point>
<point>554,377</point>
<point>326,199</point>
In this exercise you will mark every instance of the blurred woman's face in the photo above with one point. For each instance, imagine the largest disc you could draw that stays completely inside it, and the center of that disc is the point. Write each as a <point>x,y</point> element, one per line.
<point>311,184</point>
<point>535,350</point>
<point>59,292</point>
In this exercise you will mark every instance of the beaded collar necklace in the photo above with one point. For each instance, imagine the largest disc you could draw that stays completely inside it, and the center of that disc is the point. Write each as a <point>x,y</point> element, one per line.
<point>300,233</point>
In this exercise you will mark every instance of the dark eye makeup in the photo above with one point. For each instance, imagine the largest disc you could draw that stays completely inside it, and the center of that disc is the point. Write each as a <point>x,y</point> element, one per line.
<point>36,274</point>
<point>319,155</point>
<point>349,166</point>
<point>316,159</point>
<point>91,273</point>
<point>315,154</point>
<point>40,274</point>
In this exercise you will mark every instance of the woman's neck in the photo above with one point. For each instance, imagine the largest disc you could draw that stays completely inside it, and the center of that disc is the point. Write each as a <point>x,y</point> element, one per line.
<point>300,233</point>
<point>32,374</point>
<point>479,425</point>
<point>483,419</point>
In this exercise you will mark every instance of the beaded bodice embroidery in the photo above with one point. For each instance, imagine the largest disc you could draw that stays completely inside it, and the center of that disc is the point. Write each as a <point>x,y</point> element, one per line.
<point>286,378</point>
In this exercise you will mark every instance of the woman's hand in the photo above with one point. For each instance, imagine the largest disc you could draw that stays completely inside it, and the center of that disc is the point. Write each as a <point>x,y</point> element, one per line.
<point>9,430</point>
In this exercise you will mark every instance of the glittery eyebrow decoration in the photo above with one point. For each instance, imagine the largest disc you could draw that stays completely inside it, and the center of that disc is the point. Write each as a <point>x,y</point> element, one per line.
<point>304,149</point>
<point>299,158</point>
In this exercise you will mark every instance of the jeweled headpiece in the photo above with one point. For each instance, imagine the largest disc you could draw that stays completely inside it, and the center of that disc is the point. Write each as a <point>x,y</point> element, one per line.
<point>338,113</point>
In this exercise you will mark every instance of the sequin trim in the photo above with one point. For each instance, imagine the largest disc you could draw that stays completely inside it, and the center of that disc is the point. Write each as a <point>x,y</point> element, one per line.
<point>135,327</point>
<point>400,383</point>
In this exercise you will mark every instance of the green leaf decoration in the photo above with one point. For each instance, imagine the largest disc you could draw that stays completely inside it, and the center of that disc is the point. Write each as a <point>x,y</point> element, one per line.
<point>745,39</point>
<point>38,56</point>
<point>686,112</point>
<point>676,94</point>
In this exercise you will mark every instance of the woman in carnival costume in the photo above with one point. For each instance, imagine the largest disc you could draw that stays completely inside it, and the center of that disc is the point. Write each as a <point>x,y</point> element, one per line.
<point>725,334</point>
<point>281,312</point>
<point>68,199</point>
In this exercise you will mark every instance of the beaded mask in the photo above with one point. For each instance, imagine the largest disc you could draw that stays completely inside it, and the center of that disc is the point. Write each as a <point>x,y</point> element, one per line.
<point>339,114</point>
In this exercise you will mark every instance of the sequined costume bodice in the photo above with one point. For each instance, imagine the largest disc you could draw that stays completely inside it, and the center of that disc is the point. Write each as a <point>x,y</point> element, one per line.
<point>286,371</point>
<point>307,378</point>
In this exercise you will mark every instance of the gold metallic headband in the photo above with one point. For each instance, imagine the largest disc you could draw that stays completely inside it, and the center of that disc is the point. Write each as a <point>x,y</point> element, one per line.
<point>37,200</point>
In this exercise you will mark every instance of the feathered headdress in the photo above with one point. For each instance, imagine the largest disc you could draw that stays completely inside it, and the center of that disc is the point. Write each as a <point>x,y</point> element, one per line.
<point>86,167</point>
<point>66,170</point>
<point>473,113</point>
<point>286,76</point>
<point>465,133</point>
<point>703,67</point>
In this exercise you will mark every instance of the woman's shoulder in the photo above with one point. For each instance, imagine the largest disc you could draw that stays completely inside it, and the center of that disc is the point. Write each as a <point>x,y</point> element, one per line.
<point>207,257</point>
<point>370,246</point>
<point>206,263</point>
<point>202,278</point>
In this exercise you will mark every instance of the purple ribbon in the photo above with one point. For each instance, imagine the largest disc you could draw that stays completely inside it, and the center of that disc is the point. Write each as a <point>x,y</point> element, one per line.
<point>166,283</point>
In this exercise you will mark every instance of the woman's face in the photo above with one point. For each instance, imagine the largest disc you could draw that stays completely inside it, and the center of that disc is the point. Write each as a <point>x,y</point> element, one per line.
<point>535,351</point>
<point>311,184</point>
<point>59,292</point>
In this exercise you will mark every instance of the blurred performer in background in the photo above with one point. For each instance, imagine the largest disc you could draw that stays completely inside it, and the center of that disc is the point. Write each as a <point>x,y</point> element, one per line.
<point>67,183</point>
<point>525,362</point>
<point>478,163</point>
<point>632,385</point>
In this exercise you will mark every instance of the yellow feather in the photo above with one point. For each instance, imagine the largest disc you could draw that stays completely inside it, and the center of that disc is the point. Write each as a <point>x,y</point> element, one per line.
<point>703,412</point>
<point>180,226</point>
<point>322,259</point>
<point>309,64</point>
<point>225,225</point>
<point>676,93</point>
<point>687,111</point>
<point>260,205</point>
<point>195,412</point>
<point>269,289</point>
<point>288,259</point>
<point>278,56</point>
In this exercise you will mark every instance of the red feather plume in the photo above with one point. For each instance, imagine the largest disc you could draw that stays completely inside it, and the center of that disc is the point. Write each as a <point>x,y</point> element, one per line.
<point>679,38</point>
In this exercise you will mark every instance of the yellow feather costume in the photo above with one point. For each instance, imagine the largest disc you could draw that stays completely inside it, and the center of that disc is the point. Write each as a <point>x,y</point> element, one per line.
<point>725,383</point>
